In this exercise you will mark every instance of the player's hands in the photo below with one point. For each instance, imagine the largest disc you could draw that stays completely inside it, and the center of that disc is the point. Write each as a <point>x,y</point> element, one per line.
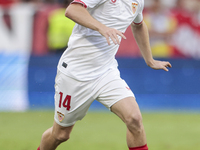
<point>110,33</point>
<point>156,64</point>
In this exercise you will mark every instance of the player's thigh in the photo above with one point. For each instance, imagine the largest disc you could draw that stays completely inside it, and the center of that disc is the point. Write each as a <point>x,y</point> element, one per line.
<point>112,89</point>
<point>72,99</point>
<point>127,109</point>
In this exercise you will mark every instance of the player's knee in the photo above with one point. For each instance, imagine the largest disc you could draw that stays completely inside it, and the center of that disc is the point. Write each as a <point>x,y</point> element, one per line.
<point>61,137</point>
<point>134,122</point>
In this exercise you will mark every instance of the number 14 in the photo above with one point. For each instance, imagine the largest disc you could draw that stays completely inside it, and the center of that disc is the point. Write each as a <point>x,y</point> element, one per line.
<point>66,102</point>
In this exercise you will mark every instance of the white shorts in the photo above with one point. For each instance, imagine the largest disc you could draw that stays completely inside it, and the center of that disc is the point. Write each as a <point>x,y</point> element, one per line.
<point>73,98</point>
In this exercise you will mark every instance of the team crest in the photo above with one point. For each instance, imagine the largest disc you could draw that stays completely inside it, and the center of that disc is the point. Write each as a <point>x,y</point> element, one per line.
<point>60,116</point>
<point>134,7</point>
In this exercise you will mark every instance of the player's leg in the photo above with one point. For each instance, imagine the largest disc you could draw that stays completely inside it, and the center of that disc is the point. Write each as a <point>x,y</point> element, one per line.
<point>54,136</point>
<point>127,109</point>
<point>72,101</point>
<point>114,93</point>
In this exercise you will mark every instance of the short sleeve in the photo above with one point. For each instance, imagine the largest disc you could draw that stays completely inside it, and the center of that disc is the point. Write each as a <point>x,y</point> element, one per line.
<point>139,17</point>
<point>89,3</point>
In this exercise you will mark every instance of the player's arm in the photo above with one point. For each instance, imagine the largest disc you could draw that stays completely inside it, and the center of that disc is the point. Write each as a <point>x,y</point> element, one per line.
<point>79,14</point>
<point>141,35</point>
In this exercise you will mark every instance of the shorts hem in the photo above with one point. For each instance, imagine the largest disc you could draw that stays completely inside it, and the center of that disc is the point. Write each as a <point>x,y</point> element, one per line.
<point>64,124</point>
<point>109,107</point>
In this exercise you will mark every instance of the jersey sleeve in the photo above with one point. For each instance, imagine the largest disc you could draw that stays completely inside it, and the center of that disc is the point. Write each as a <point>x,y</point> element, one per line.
<point>139,17</point>
<point>88,3</point>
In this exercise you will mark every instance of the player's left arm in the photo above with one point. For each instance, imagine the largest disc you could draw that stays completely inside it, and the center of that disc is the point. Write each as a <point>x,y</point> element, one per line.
<point>141,35</point>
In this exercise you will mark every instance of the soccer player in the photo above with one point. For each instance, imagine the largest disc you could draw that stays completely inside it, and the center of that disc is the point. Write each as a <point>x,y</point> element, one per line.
<point>87,70</point>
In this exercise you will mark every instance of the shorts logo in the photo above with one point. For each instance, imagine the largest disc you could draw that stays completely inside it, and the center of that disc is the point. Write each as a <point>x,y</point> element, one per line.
<point>113,1</point>
<point>60,116</point>
<point>128,88</point>
<point>134,7</point>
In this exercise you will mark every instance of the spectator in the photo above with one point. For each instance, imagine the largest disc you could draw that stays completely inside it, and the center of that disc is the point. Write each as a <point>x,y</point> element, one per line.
<point>51,28</point>
<point>196,12</point>
<point>161,25</point>
<point>187,12</point>
<point>7,3</point>
<point>187,35</point>
<point>59,30</point>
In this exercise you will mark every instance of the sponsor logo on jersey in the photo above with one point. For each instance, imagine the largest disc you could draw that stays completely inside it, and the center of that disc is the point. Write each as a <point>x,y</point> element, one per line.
<point>60,116</point>
<point>134,7</point>
<point>113,1</point>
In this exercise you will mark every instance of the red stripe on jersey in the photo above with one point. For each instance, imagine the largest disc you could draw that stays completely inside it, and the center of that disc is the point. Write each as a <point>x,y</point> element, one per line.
<point>80,2</point>
<point>139,148</point>
<point>138,23</point>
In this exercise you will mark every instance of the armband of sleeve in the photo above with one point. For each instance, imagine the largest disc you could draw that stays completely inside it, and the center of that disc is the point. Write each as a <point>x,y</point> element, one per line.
<point>138,23</point>
<point>80,2</point>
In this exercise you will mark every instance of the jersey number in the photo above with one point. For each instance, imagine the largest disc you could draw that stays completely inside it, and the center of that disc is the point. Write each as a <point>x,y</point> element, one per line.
<point>66,102</point>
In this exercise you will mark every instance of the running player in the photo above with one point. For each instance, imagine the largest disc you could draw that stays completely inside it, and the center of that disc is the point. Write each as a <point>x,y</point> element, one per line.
<point>88,69</point>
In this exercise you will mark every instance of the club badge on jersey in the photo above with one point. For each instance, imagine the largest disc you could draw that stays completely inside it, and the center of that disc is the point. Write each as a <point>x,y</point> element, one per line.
<point>134,7</point>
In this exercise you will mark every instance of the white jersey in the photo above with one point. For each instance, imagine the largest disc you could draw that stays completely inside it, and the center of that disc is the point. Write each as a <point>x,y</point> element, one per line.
<point>88,55</point>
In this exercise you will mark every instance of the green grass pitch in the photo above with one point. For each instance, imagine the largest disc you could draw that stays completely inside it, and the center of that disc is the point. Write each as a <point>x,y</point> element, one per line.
<point>101,131</point>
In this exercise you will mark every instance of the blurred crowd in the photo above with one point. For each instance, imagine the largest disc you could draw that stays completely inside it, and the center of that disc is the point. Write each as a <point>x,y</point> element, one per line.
<point>7,3</point>
<point>154,5</point>
<point>191,5</point>
<point>166,20</point>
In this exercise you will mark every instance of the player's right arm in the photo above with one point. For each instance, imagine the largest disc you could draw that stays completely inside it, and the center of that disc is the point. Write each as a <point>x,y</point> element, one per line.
<point>79,14</point>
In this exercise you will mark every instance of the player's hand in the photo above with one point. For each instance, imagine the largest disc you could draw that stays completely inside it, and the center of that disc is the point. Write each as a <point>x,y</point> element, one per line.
<point>156,64</point>
<point>110,33</point>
